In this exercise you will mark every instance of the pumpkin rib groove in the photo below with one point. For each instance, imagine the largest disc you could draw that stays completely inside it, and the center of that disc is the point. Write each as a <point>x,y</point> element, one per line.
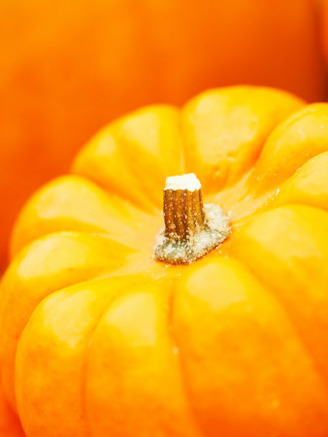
<point>127,141</point>
<point>180,364</point>
<point>295,134</point>
<point>147,156</point>
<point>42,225</point>
<point>132,170</point>
<point>86,368</point>
<point>40,302</point>
<point>10,425</point>
<point>250,169</point>
<point>297,204</point>
<point>73,291</point>
<point>164,308</point>
<point>102,235</point>
<point>296,183</point>
<point>267,285</point>
<point>268,201</point>
<point>85,371</point>
<point>120,292</point>
<point>302,352</point>
<point>85,364</point>
<point>119,282</point>
<point>148,207</point>
<point>44,240</point>
<point>285,311</point>
<point>93,173</point>
<point>273,194</point>
<point>285,107</point>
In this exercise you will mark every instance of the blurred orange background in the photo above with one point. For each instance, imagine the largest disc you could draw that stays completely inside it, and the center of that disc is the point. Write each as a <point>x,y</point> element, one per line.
<point>68,67</point>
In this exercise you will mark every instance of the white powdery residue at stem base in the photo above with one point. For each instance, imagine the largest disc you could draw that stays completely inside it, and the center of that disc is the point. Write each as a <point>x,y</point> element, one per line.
<point>216,230</point>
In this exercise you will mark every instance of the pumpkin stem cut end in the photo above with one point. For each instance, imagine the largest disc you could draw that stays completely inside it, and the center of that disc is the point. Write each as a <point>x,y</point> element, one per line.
<point>191,229</point>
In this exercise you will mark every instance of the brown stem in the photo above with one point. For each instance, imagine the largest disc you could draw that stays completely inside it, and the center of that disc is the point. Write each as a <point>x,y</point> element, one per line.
<point>183,213</point>
<point>189,231</point>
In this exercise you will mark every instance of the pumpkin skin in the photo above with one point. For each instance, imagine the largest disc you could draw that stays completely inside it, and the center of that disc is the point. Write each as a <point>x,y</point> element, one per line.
<point>9,425</point>
<point>97,338</point>
<point>66,70</point>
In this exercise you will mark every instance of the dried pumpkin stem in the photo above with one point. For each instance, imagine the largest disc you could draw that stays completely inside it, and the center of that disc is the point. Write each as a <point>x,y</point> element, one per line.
<point>183,213</point>
<point>191,229</point>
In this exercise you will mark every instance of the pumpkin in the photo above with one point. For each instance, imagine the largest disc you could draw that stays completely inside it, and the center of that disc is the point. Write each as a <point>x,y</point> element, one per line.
<point>9,425</point>
<point>216,324</point>
<point>68,68</point>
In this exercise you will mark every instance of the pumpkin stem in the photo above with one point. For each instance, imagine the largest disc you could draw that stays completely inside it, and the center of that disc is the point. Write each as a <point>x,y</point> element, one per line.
<point>191,229</point>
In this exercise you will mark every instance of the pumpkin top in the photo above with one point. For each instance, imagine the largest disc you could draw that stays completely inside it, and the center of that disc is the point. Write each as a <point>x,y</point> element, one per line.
<point>92,324</point>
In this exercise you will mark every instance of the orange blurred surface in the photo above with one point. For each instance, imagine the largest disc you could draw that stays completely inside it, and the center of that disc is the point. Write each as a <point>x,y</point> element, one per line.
<point>68,67</point>
<point>324,27</point>
<point>9,425</point>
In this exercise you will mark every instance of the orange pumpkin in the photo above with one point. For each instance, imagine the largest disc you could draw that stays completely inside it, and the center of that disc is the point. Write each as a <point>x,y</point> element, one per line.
<point>99,338</point>
<point>69,67</point>
<point>9,425</point>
